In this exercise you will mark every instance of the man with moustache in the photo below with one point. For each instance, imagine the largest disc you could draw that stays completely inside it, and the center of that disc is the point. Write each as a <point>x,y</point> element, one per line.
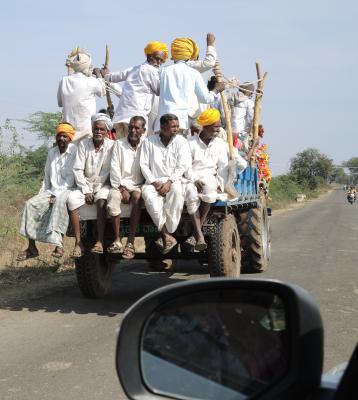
<point>164,159</point>
<point>141,84</point>
<point>126,182</point>
<point>91,170</point>
<point>45,216</point>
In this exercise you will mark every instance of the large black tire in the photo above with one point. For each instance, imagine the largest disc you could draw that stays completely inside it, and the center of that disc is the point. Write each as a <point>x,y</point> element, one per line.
<point>255,238</point>
<point>94,275</point>
<point>224,251</point>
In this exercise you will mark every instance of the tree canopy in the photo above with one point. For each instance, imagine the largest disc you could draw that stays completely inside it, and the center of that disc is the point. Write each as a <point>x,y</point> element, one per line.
<point>43,124</point>
<point>312,167</point>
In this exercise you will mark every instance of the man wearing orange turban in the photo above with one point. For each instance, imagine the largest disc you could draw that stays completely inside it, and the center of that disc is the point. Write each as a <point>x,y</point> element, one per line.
<point>141,84</point>
<point>45,217</point>
<point>180,83</point>
<point>207,174</point>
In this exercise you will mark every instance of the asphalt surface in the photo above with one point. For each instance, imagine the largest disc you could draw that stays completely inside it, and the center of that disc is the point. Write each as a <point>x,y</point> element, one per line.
<point>62,346</point>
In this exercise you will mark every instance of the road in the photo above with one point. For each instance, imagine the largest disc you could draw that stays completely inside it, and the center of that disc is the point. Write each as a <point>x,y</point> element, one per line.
<point>62,346</point>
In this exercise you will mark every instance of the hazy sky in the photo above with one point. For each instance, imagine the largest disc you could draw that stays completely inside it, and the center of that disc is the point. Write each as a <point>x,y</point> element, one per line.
<point>308,48</point>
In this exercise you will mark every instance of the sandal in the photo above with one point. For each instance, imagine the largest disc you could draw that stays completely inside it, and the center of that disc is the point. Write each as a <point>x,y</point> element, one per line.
<point>169,245</point>
<point>58,252</point>
<point>129,252</point>
<point>159,243</point>
<point>26,254</point>
<point>115,248</point>
<point>191,241</point>
<point>97,249</point>
<point>201,245</point>
<point>77,252</point>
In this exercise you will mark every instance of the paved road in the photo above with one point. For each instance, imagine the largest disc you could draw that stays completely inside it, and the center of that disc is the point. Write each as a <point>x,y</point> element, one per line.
<point>62,346</point>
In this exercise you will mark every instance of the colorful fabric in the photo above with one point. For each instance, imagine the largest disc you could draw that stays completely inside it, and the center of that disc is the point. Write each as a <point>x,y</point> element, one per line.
<point>153,47</point>
<point>66,129</point>
<point>209,117</point>
<point>184,49</point>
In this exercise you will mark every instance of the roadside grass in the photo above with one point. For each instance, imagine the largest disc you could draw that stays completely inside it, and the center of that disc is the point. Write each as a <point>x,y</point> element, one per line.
<point>284,191</point>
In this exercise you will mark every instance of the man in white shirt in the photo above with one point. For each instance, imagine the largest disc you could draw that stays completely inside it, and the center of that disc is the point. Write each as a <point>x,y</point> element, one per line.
<point>91,170</point>
<point>77,94</point>
<point>179,83</point>
<point>243,113</point>
<point>45,216</point>
<point>164,159</point>
<point>207,174</point>
<point>141,84</point>
<point>126,182</point>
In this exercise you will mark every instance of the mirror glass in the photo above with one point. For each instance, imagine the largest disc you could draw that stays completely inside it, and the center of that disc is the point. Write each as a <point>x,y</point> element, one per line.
<point>215,344</point>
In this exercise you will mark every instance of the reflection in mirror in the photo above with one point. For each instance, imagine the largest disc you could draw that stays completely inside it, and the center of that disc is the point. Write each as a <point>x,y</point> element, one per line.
<point>216,344</point>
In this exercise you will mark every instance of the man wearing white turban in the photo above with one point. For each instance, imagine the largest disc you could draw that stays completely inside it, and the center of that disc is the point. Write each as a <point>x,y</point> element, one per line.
<point>77,93</point>
<point>91,170</point>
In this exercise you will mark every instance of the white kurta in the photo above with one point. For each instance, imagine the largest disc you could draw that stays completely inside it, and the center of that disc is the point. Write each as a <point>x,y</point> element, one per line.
<point>41,220</point>
<point>141,83</point>
<point>91,170</point>
<point>209,165</point>
<point>76,94</point>
<point>207,63</point>
<point>178,84</point>
<point>160,163</point>
<point>59,170</point>
<point>125,169</point>
<point>242,116</point>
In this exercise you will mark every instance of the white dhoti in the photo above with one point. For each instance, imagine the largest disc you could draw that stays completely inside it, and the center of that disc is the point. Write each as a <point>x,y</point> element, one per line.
<point>164,210</point>
<point>76,199</point>
<point>209,194</point>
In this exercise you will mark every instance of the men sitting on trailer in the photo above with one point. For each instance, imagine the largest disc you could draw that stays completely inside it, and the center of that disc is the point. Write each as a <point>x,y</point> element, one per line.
<point>77,93</point>
<point>179,83</point>
<point>126,181</point>
<point>45,216</point>
<point>207,174</point>
<point>164,159</point>
<point>141,83</point>
<point>91,170</point>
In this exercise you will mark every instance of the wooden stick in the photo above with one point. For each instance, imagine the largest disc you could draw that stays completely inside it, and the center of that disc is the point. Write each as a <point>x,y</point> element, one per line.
<point>219,77</point>
<point>257,110</point>
<point>108,96</point>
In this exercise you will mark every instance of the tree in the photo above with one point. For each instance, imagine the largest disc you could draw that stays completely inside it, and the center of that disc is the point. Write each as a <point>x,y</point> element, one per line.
<point>43,124</point>
<point>312,167</point>
<point>338,175</point>
<point>352,165</point>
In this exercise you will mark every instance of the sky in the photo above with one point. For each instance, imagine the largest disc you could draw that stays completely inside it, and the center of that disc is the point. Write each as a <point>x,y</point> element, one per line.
<point>308,48</point>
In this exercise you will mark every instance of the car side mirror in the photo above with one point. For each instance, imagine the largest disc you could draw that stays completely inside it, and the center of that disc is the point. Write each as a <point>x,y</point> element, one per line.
<point>221,339</point>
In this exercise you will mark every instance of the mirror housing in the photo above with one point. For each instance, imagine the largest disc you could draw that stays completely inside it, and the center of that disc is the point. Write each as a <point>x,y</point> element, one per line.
<point>303,374</point>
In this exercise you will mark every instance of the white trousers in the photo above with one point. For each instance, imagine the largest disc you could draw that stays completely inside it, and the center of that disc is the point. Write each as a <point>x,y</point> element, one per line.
<point>164,210</point>
<point>76,199</point>
<point>209,194</point>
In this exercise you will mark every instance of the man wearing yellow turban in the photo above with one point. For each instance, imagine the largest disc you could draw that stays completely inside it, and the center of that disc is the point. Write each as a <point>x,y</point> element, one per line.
<point>141,83</point>
<point>180,83</point>
<point>45,216</point>
<point>207,174</point>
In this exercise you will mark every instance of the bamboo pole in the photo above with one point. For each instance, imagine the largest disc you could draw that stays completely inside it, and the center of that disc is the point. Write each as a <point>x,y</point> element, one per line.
<point>257,110</point>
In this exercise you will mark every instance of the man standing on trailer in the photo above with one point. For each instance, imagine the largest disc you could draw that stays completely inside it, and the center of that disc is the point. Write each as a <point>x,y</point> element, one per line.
<point>77,93</point>
<point>180,82</point>
<point>141,84</point>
